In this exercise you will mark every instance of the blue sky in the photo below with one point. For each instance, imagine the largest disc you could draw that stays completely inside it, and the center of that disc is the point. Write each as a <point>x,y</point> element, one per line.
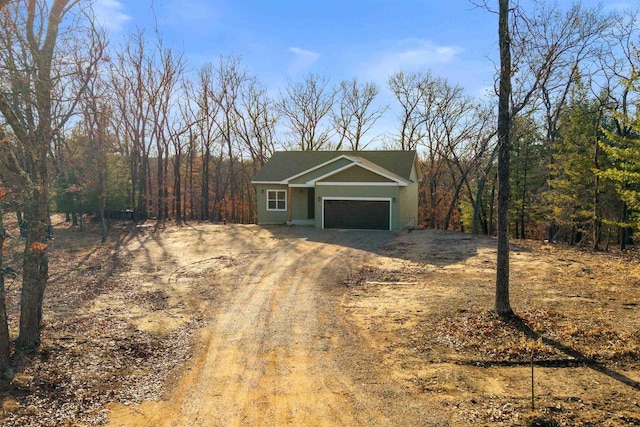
<point>281,41</point>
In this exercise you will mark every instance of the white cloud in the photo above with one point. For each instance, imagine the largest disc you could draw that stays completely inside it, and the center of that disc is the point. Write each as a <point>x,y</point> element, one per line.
<point>303,59</point>
<point>191,16</point>
<point>409,55</point>
<point>109,14</point>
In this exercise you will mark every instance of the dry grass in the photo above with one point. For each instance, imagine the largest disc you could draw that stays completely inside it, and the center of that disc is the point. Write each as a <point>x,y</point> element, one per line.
<point>88,357</point>
<point>576,312</point>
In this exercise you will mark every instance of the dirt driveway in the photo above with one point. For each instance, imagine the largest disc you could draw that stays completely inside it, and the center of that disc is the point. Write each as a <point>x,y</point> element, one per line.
<point>276,351</point>
<point>212,325</point>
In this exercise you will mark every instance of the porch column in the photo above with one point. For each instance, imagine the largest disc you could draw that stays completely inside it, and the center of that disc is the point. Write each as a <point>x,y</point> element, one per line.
<point>289,208</point>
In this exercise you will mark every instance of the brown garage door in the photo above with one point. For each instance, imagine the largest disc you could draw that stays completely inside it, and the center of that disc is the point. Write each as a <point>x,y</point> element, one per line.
<point>357,214</point>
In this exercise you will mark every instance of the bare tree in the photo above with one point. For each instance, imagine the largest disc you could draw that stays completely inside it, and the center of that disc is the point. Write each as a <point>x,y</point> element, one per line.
<point>502,303</point>
<point>5,342</point>
<point>130,73</point>
<point>468,141</point>
<point>406,88</point>
<point>449,129</point>
<point>355,113</point>
<point>30,56</point>
<point>161,93</point>
<point>451,124</point>
<point>305,107</point>
<point>201,93</point>
<point>230,78</point>
<point>255,124</point>
<point>96,117</point>
<point>182,136</point>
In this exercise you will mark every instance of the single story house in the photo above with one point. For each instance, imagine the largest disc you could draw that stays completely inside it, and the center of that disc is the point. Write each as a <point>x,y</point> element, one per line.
<point>375,190</point>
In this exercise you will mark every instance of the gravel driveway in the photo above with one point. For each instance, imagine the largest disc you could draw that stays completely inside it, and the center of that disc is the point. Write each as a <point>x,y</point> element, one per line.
<point>276,351</point>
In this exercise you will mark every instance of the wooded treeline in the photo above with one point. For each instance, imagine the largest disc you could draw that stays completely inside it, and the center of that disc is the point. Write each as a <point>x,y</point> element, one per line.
<point>146,135</point>
<point>106,130</point>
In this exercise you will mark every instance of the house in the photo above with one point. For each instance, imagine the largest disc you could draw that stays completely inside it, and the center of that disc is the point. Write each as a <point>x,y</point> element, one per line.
<point>375,190</point>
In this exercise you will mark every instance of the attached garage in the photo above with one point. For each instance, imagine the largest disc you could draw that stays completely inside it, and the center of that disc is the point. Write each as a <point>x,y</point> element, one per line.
<point>357,213</point>
<point>362,190</point>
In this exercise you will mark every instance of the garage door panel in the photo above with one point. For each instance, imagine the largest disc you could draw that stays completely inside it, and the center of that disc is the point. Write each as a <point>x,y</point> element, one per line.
<point>357,214</point>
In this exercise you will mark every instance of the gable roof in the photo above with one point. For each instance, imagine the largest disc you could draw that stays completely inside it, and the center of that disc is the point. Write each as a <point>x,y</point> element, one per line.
<point>364,164</point>
<point>284,165</point>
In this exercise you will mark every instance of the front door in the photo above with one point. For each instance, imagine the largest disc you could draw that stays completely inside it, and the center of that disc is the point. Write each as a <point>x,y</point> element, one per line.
<point>311,203</point>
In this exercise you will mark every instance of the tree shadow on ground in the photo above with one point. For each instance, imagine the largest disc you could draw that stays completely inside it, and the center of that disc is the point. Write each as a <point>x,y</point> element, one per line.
<point>434,247</point>
<point>574,357</point>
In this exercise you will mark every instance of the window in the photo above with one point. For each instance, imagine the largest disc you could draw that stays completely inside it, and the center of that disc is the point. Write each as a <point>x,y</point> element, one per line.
<point>276,200</point>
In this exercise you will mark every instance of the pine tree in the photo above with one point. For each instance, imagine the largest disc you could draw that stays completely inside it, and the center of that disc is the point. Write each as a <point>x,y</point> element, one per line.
<point>570,198</point>
<point>528,175</point>
<point>624,172</point>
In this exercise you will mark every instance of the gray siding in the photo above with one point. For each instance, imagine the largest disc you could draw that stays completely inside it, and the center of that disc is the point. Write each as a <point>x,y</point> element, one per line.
<point>356,174</point>
<point>270,217</point>
<point>321,171</point>
<point>408,206</point>
<point>409,202</point>
<point>299,203</point>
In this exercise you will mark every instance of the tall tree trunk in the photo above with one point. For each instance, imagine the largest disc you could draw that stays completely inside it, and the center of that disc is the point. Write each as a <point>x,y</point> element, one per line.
<point>103,203</point>
<point>624,229</point>
<point>177,187</point>
<point>492,199</point>
<point>166,186</point>
<point>232,178</point>
<point>5,343</point>
<point>453,204</point>
<point>35,269</point>
<point>477,207</point>
<point>597,222</point>
<point>160,184</point>
<point>149,184</point>
<point>188,188</point>
<point>191,190</point>
<point>204,210</point>
<point>502,304</point>
<point>523,204</point>
<point>134,185</point>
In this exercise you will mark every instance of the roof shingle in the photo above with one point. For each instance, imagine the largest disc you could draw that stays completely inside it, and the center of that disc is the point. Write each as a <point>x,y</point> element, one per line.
<point>285,164</point>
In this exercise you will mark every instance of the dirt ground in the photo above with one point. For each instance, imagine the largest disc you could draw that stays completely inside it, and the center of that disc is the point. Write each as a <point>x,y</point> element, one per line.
<point>209,325</point>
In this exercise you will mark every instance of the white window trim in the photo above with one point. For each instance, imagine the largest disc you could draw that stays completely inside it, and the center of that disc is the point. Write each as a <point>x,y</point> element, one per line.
<point>276,199</point>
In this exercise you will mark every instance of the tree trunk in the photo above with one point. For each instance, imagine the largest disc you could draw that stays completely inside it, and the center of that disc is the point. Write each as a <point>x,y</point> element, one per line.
<point>177,187</point>
<point>5,343</point>
<point>104,227</point>
<point>160,186</point>
<point>597,223</point>
<point>204,210</point>
<point>191,190</point>
<point>477,206</point>
<point>102,181</point>
<point>489,218</point>
<point>502,304</point>
<point>624,228</point>
<point>35,271</point>
<point>166,187</point>
<point>454,200</point>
